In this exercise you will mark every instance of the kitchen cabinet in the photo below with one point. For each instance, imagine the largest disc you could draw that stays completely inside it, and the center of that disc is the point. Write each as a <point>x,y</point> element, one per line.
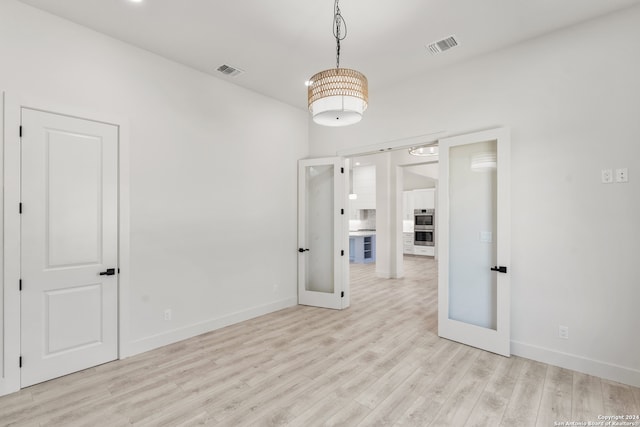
<point>407,205</point>
<point>364,186</point>
<point>424,199</point>
<point>424,250</point>
<point>407,243</point>
<point>362,247</point>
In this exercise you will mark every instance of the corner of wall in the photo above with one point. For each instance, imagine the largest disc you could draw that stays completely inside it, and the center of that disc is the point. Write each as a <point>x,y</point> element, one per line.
<point>577,363</point>
<point>179,334</point>
<point>2,367</point>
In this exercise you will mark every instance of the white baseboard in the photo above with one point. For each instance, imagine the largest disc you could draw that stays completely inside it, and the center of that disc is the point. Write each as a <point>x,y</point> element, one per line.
<point>179,334</point>
<point>574,362</point>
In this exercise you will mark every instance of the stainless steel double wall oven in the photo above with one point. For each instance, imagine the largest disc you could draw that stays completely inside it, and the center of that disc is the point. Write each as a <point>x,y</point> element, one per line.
<point>423,227</point>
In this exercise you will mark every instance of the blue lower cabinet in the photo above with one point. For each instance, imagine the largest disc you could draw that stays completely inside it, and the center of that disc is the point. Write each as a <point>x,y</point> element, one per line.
<point>362,249</point>
<point>352,249</point>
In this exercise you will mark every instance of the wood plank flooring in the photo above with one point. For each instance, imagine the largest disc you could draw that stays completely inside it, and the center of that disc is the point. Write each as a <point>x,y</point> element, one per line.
<point>378,363</point>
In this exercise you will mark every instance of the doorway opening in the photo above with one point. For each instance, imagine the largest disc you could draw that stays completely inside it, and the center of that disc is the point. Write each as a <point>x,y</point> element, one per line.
<point>385,189</point>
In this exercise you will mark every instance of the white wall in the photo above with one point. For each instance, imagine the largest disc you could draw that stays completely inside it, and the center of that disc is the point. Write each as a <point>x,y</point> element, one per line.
<point>572,100</point>
<point>212,172</point>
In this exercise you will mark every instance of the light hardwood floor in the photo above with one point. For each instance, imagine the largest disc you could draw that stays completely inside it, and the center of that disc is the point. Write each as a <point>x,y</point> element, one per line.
<point>380,362</point>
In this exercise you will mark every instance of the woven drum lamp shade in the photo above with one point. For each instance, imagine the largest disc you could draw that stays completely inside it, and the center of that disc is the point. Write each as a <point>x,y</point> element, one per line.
<point>338,96</point>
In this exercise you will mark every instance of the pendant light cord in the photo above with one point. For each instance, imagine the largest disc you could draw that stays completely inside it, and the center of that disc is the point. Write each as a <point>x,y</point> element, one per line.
<point>339,25</point>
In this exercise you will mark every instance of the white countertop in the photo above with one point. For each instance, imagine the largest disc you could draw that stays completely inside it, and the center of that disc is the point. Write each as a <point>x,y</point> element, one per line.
<point>362,233</point>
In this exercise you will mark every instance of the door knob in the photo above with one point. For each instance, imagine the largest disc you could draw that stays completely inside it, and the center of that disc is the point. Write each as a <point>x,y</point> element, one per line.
<point>108,272</point>
<point>500,269</point>
<point>302,250</point>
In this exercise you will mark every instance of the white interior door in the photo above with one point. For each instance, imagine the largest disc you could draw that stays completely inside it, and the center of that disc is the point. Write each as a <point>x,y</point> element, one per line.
<point>323,242</point>
<point>474,240</point>
<point>69,245</point>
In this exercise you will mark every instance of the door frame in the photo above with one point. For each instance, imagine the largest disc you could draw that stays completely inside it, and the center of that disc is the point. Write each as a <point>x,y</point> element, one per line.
<point>395,263</point>
<point>10,250</point>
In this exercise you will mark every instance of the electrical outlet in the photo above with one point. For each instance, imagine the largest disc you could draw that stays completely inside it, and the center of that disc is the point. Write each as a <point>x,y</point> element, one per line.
<point>563,332</point>
<point>607,176</point>
<point>622,175</point>
<point>167,314</point>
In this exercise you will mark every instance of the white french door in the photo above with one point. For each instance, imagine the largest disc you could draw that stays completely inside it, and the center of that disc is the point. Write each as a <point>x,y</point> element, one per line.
<point>69,247</point>
<point>323,243</point>
<point>474,240</point>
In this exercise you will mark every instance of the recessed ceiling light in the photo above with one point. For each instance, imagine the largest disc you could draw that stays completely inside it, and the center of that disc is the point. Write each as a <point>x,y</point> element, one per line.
<point>136,1</point>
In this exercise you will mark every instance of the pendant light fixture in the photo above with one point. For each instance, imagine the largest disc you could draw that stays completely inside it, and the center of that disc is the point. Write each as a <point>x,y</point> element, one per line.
<point>338,96</point>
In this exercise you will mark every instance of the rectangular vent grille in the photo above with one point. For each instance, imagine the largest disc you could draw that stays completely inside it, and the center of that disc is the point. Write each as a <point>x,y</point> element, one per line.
<point>442,45</point>
<point>230,71</point>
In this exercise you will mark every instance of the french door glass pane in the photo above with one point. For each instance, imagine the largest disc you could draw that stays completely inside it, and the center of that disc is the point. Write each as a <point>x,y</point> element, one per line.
<point>472,239</point>
<point>320,235</point>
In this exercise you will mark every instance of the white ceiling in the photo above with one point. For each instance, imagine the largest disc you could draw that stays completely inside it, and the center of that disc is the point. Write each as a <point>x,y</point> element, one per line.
<point>281,43</point>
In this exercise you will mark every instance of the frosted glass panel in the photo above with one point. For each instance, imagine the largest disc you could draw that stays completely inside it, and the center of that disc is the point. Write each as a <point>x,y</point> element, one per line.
<point>472,238</point>
<point>319,238</point>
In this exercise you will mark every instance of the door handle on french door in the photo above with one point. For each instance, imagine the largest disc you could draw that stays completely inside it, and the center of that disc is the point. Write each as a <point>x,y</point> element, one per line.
<point>500,269</point>
<point>108,272</point>
<point>302,250</point>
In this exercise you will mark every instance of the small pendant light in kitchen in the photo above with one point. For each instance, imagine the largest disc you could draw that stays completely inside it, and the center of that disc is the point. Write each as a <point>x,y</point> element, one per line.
<point>338,96</point>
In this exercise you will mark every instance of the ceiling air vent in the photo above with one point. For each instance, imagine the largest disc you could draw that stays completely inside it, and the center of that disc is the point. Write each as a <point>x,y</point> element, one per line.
<point>442,45</point>
<point>230,71</point>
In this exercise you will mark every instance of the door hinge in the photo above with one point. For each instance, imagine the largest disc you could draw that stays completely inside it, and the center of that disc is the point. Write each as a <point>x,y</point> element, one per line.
<point>341,169</point>
<point>20,207</point>
<point>342,294</point>
<point>20,131</point>
<point>342,252</point>
<point>20,362</point>
<point>341,211</point>
<point>20,285</point>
